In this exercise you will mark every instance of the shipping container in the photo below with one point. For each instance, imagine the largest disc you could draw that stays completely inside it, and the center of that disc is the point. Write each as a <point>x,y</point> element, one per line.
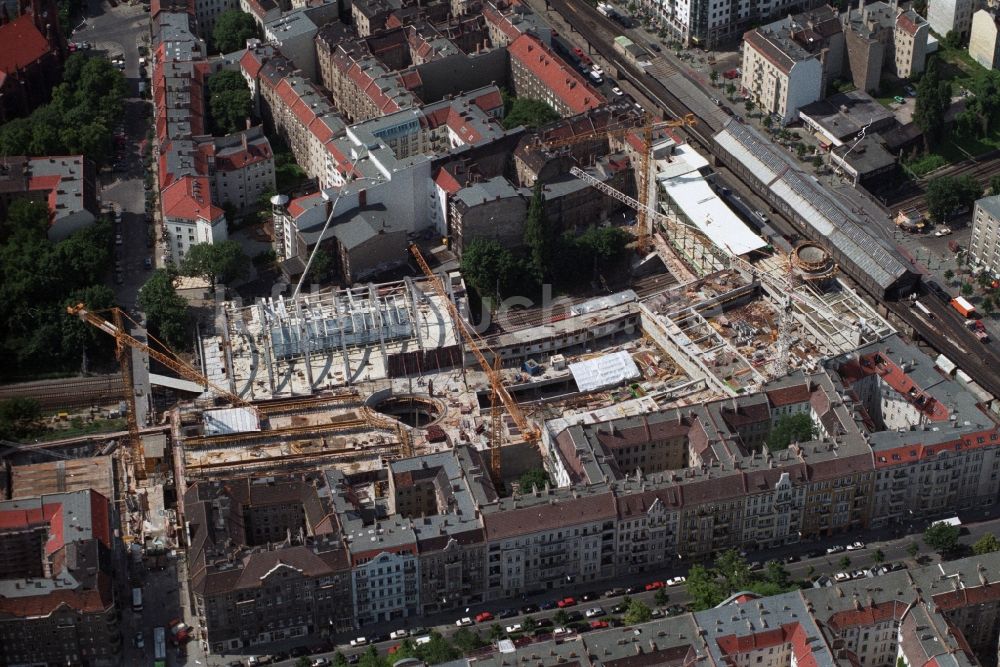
<point>962,305</point>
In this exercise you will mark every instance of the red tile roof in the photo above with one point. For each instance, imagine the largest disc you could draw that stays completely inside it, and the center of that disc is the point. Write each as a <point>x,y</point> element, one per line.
<point>447,182</point>
<point>21,43</point>
<point>555,74</point>
<point>566,512</point>
<point>880,364</point>
<point>189,198</point>
<point>793,395</point>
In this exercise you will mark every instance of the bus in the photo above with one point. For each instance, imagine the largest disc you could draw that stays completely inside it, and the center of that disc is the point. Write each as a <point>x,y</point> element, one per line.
<point>160,644</point>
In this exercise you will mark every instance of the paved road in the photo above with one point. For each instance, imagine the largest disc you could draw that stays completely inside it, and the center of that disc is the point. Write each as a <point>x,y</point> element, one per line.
<point>894,545</point>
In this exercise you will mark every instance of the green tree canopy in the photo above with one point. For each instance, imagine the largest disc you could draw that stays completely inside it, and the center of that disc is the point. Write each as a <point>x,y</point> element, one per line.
<point>986,544</point>
<point>229,101</point>
<point>982,108</point>
<point>942,537</point>
<point>466,640</point>
<point>39,279</point>
<point>789,429</point>
<point>538,236</point>
<point>636,613</point>
<point>19,417</point>
<point>488,266</point>
<point>224,261</point>
<point>536,478</point>
<point>166,311</point>
<point>704,587</point>
<point>933,100</point>
<point>232,30</point>
<point>731,574</point>
<point>947,194</point>
<point>529,113</point>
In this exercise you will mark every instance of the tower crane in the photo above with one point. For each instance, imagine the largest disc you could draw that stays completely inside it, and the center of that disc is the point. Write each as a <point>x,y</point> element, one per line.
<point>643,179</point>
<point>124,344</point>
<point>480,348</point>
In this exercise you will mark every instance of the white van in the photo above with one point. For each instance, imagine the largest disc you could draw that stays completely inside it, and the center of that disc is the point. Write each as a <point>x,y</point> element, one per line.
<point>136,599</point>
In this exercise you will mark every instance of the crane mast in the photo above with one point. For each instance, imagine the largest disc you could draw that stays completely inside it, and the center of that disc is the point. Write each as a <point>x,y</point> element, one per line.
<point>480,348</point>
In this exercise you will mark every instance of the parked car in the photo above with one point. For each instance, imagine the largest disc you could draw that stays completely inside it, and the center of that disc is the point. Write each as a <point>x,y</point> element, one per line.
<point>148,263</point>
<point>529,609</point>
<point>619,609</point>
<point>590,596</point>
<point>656,47</point>
<point>399,634</point>
<point>654,585</point>
<point>559,632</point>
<point>836,549</point>
<point>598,625</point>
<point>321,662</point>
<point>483,617</point>
<point>506,613</point>
<point>676,581</point>
<point>594,612</point>
<point>359,641</point>
<point>792,558</point>
<point>943,231</point>
<point>814,553</point>
<point>842,576</point>
<point>139,640</point>
<point>464,622</point>
<point>565,602</point>
<point>614,592</point>
<point>516,627</point>
<point>855,546</point>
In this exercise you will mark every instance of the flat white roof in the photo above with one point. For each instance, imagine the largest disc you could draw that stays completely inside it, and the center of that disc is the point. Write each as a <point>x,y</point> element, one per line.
<point>230,420</point>
<point>692,194</point>
<point>607,370</point>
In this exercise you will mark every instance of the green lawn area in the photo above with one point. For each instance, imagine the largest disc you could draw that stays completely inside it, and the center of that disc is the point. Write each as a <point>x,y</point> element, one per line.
<point>78,427</point>
<point>890,90</point>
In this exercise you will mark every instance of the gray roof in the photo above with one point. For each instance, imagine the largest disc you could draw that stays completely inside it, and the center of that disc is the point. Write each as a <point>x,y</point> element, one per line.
<point>991,205</point>
<point>803,194</point>
<point>497,187</point>
<point>844,114</point>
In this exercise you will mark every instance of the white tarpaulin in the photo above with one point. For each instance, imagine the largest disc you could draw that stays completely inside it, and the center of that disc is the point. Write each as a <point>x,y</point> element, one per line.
<point>230,420</point>
<point>605,371</point>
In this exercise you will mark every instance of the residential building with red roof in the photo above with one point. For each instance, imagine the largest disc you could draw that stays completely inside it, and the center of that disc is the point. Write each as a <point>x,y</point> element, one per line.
<point>32,50</point>
<point>56,577</point>
<point>66,184</point>
<point>189,216</point>
<point>538,73</point>
<point>241,168</point>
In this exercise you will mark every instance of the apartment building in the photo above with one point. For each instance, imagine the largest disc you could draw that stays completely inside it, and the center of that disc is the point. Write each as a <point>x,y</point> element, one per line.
<point>945,16</point>
<point>882,36</point>
<point>264,562</point>
<point>779,74</point>
<point>66,184</point>
<point>984,248</point>
<point>206,12</point>
<point>57,601</point>
<point>984,40</point>
<point>189,216</point>
<point>241,166</point>
<point>538,73</point>
<point>926,615</point>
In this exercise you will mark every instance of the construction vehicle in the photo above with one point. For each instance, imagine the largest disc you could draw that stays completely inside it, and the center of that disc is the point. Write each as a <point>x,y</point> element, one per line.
<point>124,344</point>
<point>645,184</point>
<point>491,366</point>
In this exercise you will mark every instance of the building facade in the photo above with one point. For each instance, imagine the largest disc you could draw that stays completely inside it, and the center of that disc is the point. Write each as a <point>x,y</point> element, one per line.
<point>945,16</point>
<point>984,40</point>
<point>779,74</point>
<point>984,248</point>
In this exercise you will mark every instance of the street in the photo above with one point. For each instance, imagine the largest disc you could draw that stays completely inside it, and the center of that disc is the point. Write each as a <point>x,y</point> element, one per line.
<point>112,32</point>
<point>894,548</point>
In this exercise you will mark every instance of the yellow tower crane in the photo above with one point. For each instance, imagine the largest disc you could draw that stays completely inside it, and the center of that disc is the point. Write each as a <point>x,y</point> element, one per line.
<point>643,177</point>
<point>480,348</point>
<point>124,344</point>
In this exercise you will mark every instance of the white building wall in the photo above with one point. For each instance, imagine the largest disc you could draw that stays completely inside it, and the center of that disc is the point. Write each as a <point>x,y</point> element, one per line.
<point>945,16</point>
<point>805,86</point>
<point>983,40</point>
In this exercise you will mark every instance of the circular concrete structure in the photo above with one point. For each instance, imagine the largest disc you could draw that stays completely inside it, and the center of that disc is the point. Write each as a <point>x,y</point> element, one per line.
<point>411,409</point>
<point>813,262</point>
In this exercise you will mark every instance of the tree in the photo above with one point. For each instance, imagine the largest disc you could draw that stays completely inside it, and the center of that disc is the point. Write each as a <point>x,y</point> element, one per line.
<point>734,570</point>
<point>661,597</point>
<point>995,185</point>
<point>529,623</point>
<point>967,289</point>
<point>303,662</point>
<point>561,618</point>
<point>714,76</point>
<point>538,235</point>
<point>983,106</point>
<point>529,113</point>
<point>19,417</point>
<point>703,588</point>
<point>942,537</point>
<point>953,40</point>
<point>730,90</point>
<point>229,101</point>
<point>165,310</point>
<point>232,30</point>
<point>637,613</point>
<point>371,658</point>
<point>224,261</point>
<point>845,562</point>
<point>536,478</point>
<point>989,306</point>
<point>791,428</point>
<point>986,544</point>
<point>913,549</point>
<point>817,162</point>
<point>800,149</point>
<point>949,274</point>
<point>437,650</point>
<point>768,122</point>
<point>878,557</point>
<point>603,246</point>
<point>947,194</point>
<point>496,632</point>
<point>750,105</point>
<point>466,640</point>
<point>488,267</point>
<point>933,100</point>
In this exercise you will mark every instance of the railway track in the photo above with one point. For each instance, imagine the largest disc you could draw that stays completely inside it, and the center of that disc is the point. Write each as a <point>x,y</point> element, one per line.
<point>73,392</point>
<point>982,170</point>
